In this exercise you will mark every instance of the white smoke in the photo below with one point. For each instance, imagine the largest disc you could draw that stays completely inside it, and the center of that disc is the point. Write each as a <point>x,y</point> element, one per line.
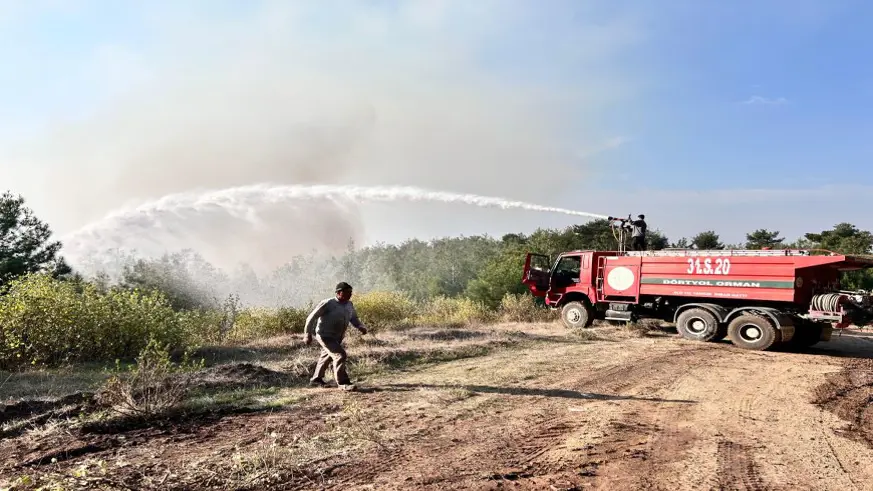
<point>325,92</point>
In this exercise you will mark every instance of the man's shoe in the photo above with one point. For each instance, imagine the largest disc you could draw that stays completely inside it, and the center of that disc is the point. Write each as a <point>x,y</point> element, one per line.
<point>317,383</point>
<point>348,387</point>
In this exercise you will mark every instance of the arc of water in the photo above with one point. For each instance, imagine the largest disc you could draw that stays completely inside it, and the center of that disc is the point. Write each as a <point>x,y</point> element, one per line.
<point>242,201</point>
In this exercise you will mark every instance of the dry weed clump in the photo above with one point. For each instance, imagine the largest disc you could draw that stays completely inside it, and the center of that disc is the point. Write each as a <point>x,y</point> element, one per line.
<point>583,334</point>
<point>643,327</point>
<point>152,387</point>
<point>269,461</point>
<point>523,308</point>
<point>637,329</point>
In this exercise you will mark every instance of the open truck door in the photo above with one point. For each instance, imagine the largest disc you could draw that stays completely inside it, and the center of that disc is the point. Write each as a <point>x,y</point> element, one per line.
<point>537,273</point>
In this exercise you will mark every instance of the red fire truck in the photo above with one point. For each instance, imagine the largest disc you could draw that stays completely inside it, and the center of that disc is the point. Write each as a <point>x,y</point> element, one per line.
<point>756,298</point>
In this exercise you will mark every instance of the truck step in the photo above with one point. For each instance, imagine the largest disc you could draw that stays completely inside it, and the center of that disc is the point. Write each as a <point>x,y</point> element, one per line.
<point>617,315</point>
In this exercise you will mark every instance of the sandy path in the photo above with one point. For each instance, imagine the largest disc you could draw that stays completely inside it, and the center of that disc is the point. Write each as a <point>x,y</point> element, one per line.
<point>637,414</point>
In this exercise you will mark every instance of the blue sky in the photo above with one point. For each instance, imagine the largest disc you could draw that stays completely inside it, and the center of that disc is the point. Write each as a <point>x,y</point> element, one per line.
<point>805,80</point>
<point>609,106</point>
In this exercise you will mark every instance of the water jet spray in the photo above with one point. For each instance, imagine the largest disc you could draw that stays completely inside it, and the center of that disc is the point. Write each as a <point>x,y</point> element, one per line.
<point>243,202</point>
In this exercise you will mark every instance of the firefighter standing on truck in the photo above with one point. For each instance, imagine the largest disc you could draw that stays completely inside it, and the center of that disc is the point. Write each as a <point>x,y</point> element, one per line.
<point>328,323</point>
<point>638,233</point>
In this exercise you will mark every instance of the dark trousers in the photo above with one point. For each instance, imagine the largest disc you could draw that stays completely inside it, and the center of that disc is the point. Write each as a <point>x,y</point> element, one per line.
<point>331,351</point>
<point>639,243</point>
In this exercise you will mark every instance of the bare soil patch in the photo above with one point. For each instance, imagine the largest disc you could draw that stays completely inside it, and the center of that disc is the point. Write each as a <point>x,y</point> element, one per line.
<point>514,406</point>
<point>849,395</point>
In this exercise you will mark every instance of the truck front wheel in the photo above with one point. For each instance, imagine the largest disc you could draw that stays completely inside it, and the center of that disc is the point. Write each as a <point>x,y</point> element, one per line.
<point>753,332</point>
<point>698,325</point>
<point>576,315</point>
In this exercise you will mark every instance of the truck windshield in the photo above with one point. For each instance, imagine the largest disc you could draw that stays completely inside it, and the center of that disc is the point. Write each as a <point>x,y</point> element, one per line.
<point>567,268</point>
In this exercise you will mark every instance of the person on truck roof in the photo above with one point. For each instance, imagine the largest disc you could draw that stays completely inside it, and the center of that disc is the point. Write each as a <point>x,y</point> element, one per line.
<point>638,233</point>
<point>328,323</point>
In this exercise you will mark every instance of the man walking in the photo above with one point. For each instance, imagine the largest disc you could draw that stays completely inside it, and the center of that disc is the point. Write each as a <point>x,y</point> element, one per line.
<point>328,322</point>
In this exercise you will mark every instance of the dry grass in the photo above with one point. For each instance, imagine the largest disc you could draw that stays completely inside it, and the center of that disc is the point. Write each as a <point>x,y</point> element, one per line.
<point>586,334</point>
<point>49,384</point>
<point>289,359</point>
<point>278,456</point>
<point>426,369</point>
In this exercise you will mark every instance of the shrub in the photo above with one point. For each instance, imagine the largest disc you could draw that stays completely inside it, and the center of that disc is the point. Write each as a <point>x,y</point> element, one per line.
<point>385,310</point>
<point>523,308</point>
<point>256,323</point>
<point>44,321</point>
<point>153,386</point>
<point>455,312</point>
<point>203,326</point>
<point>293,320</point>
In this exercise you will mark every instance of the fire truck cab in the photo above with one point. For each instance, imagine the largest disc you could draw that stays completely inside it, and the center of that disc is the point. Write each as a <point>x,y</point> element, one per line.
<point>571,278</point>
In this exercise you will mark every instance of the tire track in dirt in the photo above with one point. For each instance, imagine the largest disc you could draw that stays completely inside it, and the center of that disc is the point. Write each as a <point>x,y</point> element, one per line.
<point>737,469</point>
<point>665,441</point>
<point>756,430</point>
<point>538,449</point>
<point>749,428</point>
<point>511,445</point>
<point>547,453</point>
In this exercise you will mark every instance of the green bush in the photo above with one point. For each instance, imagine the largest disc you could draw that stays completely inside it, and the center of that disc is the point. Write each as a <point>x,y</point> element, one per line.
<point>385,310</point>
<point>202,326</point>
<point>455,312</point>
<point>257,323</point>
<point>45,321</point>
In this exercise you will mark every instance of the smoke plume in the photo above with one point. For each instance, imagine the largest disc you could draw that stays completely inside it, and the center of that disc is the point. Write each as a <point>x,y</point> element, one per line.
<point>419,93</point>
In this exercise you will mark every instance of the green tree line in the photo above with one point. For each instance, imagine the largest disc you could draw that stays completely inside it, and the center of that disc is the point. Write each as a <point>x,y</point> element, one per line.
<point>51,315</point>
<point>480,268</point>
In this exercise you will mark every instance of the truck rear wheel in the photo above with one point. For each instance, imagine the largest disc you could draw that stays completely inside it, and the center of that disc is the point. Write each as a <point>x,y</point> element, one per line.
<point>753,332</point>
<point>576,315</point>
<point>698,325</point>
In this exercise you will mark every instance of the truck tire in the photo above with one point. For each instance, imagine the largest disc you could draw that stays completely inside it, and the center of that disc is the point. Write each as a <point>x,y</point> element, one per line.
<point>753,332</point>
<point>576,315</point>
<point>698,325</point>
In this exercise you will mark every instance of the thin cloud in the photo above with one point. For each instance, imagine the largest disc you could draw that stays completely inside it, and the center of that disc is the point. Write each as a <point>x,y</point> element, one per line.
<point>758,100</point>
<point>605,146</point>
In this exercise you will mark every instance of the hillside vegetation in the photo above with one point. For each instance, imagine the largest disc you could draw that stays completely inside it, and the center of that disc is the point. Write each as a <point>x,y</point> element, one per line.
<point>50,315</point>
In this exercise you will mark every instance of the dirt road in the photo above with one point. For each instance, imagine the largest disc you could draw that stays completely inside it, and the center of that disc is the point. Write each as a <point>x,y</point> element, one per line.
<point>619,413</point>
<point>639,414</point>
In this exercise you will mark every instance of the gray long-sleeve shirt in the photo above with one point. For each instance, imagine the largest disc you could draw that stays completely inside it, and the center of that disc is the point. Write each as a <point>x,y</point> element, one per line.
<point>330,318</point>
